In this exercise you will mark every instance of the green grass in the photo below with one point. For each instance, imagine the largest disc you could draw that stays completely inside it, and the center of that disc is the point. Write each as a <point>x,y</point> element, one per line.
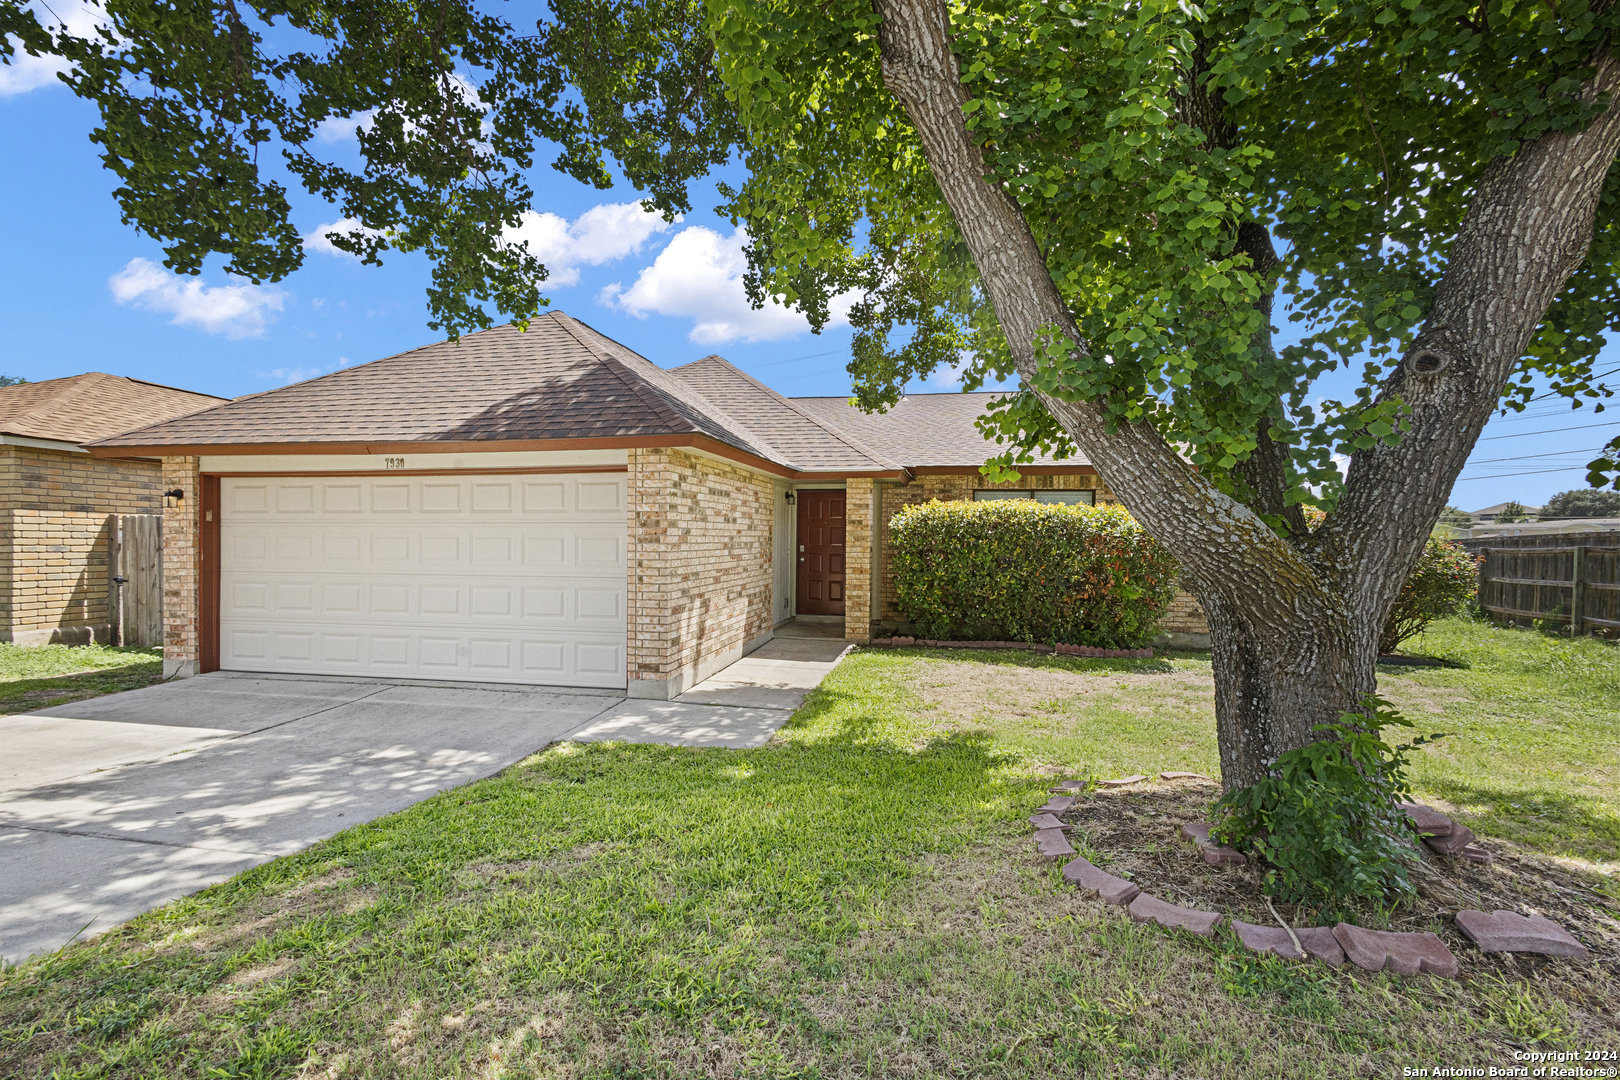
<point>1535,752</point>
<point>856,899</point>
<point>39,676</point>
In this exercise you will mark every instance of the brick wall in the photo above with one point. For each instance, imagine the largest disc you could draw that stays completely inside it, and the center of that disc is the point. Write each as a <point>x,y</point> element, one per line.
<point>1186,615</point>
<point>181,577</point>
<point>700,566</point>
<point>857,559</point>
<point>58,571</point>
<point>54,507</point>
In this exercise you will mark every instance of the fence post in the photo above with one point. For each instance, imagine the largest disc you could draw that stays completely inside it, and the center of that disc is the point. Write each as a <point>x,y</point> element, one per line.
<point>1484,579</point>
<point>1577,592</point>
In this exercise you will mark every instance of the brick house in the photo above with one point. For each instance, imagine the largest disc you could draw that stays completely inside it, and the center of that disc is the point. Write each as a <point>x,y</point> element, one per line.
<point>543,507</point>
<point>56,498</point>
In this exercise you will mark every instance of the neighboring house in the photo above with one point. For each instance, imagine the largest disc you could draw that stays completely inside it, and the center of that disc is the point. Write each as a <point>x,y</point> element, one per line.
<point>1545,528</point>
<point>1488,515</point>
<point>543,507</point>
<point>56,499</point>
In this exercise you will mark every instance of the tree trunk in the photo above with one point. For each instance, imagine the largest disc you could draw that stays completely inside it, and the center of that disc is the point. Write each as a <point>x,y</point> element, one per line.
<point>1294,623</point>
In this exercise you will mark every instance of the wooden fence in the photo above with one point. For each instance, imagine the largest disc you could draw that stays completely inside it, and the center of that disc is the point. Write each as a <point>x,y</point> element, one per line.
<point>1572,578</point>
<point>136,566</point>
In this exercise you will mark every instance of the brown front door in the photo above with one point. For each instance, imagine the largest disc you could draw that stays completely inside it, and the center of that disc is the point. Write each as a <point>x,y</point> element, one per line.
<point>821,553</point>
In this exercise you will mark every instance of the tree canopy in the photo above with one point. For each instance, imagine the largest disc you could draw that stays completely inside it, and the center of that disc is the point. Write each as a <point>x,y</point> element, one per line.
<point>1582,503</point>
<point>1355,131</point>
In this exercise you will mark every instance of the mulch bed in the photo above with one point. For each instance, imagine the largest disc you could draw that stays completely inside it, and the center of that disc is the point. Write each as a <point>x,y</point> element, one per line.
<point>1134,833</point>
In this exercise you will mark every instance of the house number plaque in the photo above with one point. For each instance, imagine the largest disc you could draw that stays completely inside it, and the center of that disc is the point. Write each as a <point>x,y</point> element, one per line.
<point>393,463</point>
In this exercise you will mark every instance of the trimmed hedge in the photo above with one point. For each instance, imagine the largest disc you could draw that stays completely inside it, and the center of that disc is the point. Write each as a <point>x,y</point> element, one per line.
<point>1019,570</point>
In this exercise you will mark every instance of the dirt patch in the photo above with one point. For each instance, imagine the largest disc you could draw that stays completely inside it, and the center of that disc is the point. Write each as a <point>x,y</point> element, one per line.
<point>1134,833</point>
<point>964,690</point>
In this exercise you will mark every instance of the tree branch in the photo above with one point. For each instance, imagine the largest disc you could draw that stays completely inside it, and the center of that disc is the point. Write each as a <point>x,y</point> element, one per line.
<point>1528,228</point>
<point>1223,546</point>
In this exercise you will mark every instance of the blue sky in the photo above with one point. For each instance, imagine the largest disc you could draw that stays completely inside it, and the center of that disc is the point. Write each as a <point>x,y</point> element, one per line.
<point>80,291</point>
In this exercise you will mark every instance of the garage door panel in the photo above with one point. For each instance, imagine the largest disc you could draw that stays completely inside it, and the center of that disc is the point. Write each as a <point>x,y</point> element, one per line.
<point>495,578</point>
<point>427,599</point>
<point>575,659</point>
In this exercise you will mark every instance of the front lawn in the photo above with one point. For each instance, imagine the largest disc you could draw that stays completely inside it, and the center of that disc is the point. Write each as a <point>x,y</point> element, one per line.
<point>39,676</point>
<point>859,898</point>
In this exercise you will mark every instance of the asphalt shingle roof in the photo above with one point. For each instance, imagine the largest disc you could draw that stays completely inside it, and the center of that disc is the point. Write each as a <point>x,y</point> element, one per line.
<point>922,429</point>
<point>562,381</point>
<point>810,442</point>
<point>559,380</point>
<point>83,408</point>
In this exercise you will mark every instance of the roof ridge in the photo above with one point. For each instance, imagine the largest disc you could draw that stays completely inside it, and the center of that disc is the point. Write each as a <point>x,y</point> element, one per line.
<point>842,436</point>
<point>639,387</point>
<point>81,385</point>
<point>166,386</point>
<point>638,383</point>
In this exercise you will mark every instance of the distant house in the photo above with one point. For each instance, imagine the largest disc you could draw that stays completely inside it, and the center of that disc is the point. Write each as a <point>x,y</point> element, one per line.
<point>1489,515</point>
<point>1556,527</point>
<point>548,507</point>
<point>56,499</point>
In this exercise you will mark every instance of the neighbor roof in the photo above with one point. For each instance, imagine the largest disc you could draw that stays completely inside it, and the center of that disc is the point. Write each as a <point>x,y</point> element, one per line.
<point>83,408</point>
<point>560,380</point>
<point>923,430</point>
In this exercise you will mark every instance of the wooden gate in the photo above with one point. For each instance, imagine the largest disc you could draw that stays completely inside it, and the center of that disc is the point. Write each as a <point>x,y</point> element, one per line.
<point>137,585</point>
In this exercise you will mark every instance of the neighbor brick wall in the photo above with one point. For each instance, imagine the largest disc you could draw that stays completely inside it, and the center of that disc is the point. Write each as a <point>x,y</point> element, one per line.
<point>181,570</point>
<point>700,562</point>
<point>54,507</point>
<point>857,559</point>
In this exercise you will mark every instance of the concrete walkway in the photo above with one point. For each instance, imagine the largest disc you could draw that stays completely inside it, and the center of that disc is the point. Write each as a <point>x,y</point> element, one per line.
<point>115,805</point>
<point>740,706</point>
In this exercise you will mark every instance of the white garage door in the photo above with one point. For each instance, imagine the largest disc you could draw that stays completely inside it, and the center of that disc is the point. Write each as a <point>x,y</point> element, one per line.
<point>518,578</point>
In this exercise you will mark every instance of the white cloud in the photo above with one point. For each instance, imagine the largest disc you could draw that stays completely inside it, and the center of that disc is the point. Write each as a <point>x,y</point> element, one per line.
<point>600,235</point>
<point>289,375</point>
<point>699,276</point>
<point>237,311</point>
<point>335,129</point>
<point>22,72</point>
<point>317,239</point>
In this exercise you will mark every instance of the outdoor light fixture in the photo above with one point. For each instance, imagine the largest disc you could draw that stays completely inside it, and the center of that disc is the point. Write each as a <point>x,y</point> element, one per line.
<point>789,497</point>
<point>176,494</point>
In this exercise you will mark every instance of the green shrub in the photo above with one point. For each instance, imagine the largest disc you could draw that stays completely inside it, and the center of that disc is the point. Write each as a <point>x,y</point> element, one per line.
<point>1325,821</point>
<point>1443,583</point>
<point>1019,570</point>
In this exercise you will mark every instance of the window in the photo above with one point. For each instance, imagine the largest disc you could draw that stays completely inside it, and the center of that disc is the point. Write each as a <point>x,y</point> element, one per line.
<point>1068,498</point>
<point>1085,497</point>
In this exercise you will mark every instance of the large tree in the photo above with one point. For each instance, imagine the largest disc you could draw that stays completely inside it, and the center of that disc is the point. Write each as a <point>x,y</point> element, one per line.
<point>1107,199</point>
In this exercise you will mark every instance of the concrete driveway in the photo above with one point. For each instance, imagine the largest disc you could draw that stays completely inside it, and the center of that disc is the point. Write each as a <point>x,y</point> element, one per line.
<point>115,805</point>
<point>112,806</point>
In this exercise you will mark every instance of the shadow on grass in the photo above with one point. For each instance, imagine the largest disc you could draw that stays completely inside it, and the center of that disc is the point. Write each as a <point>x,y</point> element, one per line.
<point>26,695</point>
<point>1553,822</point>
<point>1158,665</point>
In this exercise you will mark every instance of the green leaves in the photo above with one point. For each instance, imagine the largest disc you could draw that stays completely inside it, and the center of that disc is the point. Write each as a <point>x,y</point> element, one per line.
<point>1325,820</point>
<point>1015,569</point>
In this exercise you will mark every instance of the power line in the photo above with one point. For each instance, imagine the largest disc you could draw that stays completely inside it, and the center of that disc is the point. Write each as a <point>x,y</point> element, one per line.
<point>1549,431</point>
<point>1503,476</point>
<point>795,359</point>
<point>1527,457</point>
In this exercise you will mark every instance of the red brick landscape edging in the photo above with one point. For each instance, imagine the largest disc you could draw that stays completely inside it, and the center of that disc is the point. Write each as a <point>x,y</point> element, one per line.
<point>1372,950</point>
<point>1061,650</point>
